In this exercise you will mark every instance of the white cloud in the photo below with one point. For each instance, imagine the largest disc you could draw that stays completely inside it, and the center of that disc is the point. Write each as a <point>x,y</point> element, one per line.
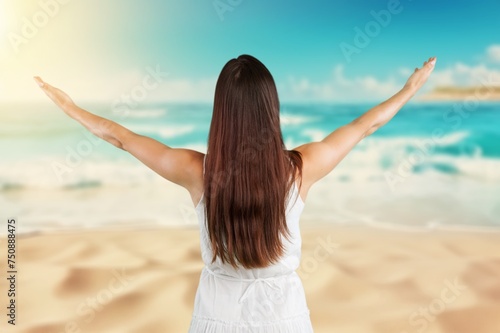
<point>105,87</point>
<point>493,53</point>
<point>460,74</point>
<point>370,88</point>
<point>201,90</point>
<point>168,90</point>
<point>339,88</point>
<point>163,131</point>
<point>405,72</point>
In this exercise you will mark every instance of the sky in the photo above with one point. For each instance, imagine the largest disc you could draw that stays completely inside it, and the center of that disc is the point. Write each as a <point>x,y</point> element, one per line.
<point>317,51</point>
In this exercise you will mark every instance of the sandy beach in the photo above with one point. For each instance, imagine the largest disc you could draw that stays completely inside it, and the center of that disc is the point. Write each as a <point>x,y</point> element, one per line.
<point>450,93</point>
<point>357,279</point>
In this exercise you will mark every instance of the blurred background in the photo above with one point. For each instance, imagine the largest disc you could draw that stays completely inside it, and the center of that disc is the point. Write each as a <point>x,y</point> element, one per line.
<point>152,67</point>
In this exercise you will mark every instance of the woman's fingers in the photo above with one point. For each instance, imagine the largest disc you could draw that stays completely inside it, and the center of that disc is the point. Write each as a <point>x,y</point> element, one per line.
<point>420,75</point>
<point>47,88</point>
<point>56,95</point>
<point>44,85</point>
<point>39,81</point>
<point>431,61</point>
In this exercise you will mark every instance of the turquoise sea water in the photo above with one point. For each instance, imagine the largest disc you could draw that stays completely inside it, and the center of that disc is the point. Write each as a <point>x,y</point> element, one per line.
<point>437,146</point>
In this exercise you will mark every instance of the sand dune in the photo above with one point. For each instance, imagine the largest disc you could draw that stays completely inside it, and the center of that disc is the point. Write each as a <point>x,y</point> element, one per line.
<point>367,280</point>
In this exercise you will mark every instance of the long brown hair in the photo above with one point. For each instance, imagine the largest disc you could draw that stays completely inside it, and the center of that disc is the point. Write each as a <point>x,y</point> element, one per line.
<point>249,173</point>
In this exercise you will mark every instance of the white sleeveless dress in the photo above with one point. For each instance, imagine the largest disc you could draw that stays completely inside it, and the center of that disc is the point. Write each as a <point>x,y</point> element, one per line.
<point>263,300</point>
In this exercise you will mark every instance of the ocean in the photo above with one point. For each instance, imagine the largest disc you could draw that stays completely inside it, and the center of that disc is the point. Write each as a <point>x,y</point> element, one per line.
<point>434,165</point>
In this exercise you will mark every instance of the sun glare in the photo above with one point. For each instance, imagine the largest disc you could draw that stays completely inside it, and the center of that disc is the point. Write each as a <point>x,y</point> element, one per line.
<point>2,23</point>
<point>3,18</point>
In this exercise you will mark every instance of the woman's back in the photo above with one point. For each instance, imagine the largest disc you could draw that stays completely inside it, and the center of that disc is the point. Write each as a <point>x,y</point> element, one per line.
<point>288,263</point>
<point>269,299</point>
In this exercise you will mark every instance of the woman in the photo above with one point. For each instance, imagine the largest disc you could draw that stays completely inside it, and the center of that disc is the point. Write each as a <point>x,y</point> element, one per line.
<point>249,192</point>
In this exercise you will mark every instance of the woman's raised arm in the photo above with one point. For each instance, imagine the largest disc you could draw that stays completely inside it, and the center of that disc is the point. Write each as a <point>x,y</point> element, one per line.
<point>320,158</point>
<point>180,166</point>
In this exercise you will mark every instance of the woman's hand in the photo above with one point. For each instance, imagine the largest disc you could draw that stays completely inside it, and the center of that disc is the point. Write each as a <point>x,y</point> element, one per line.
<point>58,96</point>
<point>420,75</point>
